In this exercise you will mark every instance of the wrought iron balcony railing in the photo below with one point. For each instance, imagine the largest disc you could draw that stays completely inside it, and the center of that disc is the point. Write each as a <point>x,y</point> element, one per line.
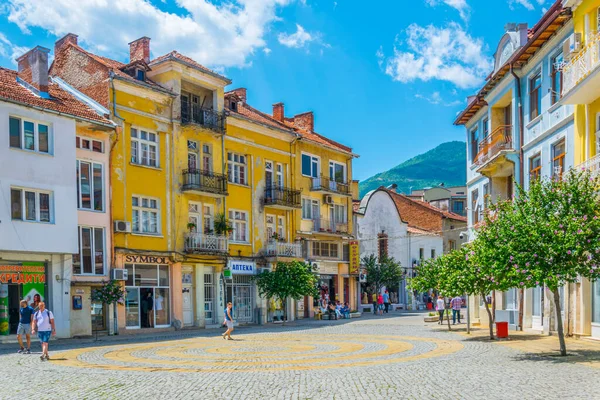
<point>283,197</point>
<point>328,226</point>
<point>593,165</point>
<point>204,243</point>
<point>500,139</point>
<point>204,181</point>
<point>326,184</point>
<point>210,119</point>
<point>581,64</point>
<point>282,249</point>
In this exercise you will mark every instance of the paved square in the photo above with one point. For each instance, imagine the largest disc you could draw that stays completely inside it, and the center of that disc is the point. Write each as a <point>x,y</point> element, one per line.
<point>369,358</point>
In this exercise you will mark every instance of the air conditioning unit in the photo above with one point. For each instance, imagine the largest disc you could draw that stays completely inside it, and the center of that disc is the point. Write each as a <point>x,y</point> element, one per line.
<point>263,269</point>
<point>572,45</point>
<point>327,199</point>
<point>119,274</point>
<point>122,226</point>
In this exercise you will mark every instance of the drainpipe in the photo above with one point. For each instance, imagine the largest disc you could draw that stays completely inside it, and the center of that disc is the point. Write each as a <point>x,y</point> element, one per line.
<point>587,133</point>
<point>521,174</point>
<point>110,212</point>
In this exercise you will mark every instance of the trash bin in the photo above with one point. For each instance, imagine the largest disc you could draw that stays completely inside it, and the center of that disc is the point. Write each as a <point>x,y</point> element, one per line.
<point>502,329</point>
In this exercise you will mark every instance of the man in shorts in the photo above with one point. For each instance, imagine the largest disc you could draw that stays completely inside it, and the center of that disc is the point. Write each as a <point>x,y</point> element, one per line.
<point>43,324</point>
<point>24,328</point>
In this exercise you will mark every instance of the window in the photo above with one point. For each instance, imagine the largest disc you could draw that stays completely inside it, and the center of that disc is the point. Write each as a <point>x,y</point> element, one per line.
<point>458,207</point>
<point>432,253</point>
<point>486,195</point>
<point>382,245</point>
<point>144,148</point>
<point>452,245</point>
<point>90,182</point>
<point>558,159</point>
<point>310,165</point>
<point>310,209</point>
<point>339,214</point>
<point>30,205</point>
<point>281,227</point>
<point>596,302</point>
<point>96,146</point>
<point>192,154</point>
<point>557,78</point>
<point>239,222</point>
<point>145,215</point>
<point>207,157</point>
<point>486,127</point>
<point>535,167</point>
<point>140,74</point>
<point>337,172</point>
<point>474,144</point>
<point>474,208</point>
<point>209,219</point>
<point>27,135</point>
<point>325,249</point>
<point>279,177</point>
<point>90,259</point>
<point>421,253</point>
<point>236,164</point>
<point>535,96</point>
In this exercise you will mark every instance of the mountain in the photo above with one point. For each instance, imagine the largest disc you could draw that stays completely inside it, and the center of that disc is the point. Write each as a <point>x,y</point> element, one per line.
<point>446,163</point>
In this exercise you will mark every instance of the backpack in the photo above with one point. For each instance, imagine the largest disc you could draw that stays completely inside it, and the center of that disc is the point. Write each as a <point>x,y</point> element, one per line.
<point>47,312</point>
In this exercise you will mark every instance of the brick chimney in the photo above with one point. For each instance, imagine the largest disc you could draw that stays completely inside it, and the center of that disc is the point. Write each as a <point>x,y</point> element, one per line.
<point>68,38</point>
<point>305,121</point>
<point>278,112</point>
<point>140,50</point>
<point>241,93</point>
<point>33,68</point>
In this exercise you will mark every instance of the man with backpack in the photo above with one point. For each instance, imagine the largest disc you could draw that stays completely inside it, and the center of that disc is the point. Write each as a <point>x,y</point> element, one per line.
<point>43,324</point>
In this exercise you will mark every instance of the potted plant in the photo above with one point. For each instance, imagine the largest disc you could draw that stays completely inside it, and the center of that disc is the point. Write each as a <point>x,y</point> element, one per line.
<point>191,226</point>
<point>274,237</point>
<point>222,225</point>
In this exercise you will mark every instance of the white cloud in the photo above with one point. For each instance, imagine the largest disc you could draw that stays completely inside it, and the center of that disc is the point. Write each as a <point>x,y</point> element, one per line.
<point>460,5</point>
<point>10,50</point>
<point>297,39</point>
<point>220,35</point>
<point>446,54</point>
<point>436,98</point>
<point>267,50</point>
<point>528,4</point>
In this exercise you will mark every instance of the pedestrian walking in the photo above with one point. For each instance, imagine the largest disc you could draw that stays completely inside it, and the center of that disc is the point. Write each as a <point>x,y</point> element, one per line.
<point>456,304</point>
<point>380,304</point>
<point>228,321</point>
<point>43,324</point>
<point>36,302</point>
<point>386,301</point>
<point>374,301</point>
<point>25,320</point>
<point>440,308</point>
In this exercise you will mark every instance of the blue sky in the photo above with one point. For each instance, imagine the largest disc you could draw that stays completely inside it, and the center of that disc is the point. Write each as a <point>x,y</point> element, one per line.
<point>386,77</point>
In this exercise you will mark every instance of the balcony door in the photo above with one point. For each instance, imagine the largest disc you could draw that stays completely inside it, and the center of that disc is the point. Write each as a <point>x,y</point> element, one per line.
<point>508,115</point>
<point>269,179</point>
<point>270,219</point>
<point>207,158</point>
<point>194,217</point>
<point>192,154</point>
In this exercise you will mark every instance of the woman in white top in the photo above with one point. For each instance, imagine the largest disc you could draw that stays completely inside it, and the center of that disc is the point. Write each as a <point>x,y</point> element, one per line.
<point>441,308</point>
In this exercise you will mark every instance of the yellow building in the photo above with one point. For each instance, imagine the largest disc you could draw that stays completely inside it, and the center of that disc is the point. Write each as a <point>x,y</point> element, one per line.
<point>581,87</point>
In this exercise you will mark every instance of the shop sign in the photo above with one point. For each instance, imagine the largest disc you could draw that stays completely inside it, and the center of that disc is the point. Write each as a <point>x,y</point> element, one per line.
<point>146,259</point>
<point>354,257</point>
<point>242,267</point>
<point>327,268</point>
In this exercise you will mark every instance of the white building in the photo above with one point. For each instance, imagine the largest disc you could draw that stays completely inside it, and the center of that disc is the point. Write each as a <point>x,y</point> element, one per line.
<point>38,190</point>
<point>410,231</point>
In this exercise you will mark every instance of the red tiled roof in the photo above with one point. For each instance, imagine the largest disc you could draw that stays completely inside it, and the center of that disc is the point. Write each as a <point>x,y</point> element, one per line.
<point>252,113</point>
<point>178,56</point>
<point>412,229</point>
<point>59,101</point>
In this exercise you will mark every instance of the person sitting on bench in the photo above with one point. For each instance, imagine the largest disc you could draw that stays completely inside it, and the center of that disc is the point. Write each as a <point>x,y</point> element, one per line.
<point>345,310</point>
<point>331,311</point>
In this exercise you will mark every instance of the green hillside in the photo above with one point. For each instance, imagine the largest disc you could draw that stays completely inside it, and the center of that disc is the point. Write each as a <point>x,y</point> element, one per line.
<point>446,163</point>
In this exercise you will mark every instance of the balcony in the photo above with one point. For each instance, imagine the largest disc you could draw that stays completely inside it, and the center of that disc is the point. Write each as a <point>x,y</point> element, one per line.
<point>204,243</point>
<point>282,249</point>
<point>327,185</point>
<point>492,148</point>
<point>593,165</point>
<point>204,182</point>
<point>282,197</point>
<point>581,77</point>
<point>327,226</point>
<point>210,119</point>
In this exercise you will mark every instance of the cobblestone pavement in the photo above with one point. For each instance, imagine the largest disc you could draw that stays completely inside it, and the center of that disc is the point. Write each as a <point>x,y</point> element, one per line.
<point>391,357</point>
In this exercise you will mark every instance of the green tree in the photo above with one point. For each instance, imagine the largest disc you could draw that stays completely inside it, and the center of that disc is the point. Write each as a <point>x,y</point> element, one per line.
<point>547,236</point>
<point>382,272</point>
<point>110,293</point>
<point>288,280</point>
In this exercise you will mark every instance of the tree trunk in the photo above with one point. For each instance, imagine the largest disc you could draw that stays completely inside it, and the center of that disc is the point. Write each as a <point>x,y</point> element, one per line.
<point>487,308</point>
<point>284,311</point>
<point>521,301</point>
<point>493,307</point>
<point>561,333</point>
<point>116,318</point>
<point>447,313</point>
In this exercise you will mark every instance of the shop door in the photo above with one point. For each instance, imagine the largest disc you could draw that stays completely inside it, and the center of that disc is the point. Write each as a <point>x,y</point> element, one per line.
<point>98,316</point>
<point>537,314</point>
<point>187,298</point>
<point>209,299</point>
<point>132,308</point>
<point>243,299</point>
